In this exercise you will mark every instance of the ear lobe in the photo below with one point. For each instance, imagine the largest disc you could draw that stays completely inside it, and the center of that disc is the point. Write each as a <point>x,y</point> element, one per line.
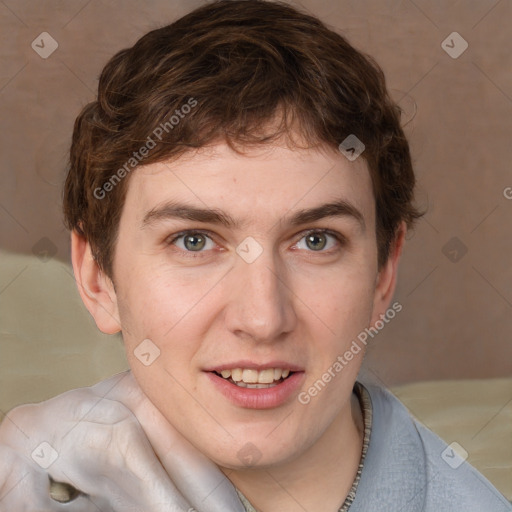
<point>95,287</point>
<point>386,279</point>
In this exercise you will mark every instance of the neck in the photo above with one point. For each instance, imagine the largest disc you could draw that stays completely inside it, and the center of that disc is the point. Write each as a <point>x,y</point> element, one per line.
<point>322,474</point>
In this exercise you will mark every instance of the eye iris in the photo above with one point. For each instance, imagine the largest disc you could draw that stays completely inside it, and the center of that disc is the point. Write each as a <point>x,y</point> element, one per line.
<point>194,242</point>
<point>316,241</point>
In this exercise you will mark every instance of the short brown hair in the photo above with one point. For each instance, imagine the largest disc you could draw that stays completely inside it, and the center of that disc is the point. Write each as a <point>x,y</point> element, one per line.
<point>243,63</point>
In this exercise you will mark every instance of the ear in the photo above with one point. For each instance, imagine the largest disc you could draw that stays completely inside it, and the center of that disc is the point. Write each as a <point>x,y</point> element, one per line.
<point>95,287</point>
<point>386,278</point>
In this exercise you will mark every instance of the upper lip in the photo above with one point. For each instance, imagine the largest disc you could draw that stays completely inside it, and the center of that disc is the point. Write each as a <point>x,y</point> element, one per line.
<point>245,364</point>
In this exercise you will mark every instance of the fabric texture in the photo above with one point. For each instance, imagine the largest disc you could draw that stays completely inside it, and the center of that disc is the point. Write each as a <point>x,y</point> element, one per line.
<point>476,413</point>
<point>405,467</point>
<point>410,469</point>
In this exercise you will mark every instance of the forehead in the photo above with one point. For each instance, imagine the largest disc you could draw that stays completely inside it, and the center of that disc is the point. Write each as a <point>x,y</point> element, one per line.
<point>264,181</point>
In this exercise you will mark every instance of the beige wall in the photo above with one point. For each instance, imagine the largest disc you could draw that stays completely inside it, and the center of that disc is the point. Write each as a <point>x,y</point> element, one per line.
<point>457,315</point>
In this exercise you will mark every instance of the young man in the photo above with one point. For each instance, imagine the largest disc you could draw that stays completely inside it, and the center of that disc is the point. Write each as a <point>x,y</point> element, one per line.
<point>238,197</point>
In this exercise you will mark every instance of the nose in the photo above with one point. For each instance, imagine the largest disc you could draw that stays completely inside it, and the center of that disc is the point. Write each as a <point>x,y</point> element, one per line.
<point>260,305</point>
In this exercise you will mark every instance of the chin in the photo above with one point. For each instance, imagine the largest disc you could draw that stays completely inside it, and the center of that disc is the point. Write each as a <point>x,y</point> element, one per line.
<point>254,454</point>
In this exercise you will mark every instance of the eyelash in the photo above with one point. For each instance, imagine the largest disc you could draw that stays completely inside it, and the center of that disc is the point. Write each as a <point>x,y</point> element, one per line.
<point>196,254</point>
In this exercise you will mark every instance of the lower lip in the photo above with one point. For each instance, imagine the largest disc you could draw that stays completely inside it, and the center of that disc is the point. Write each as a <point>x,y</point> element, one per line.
<point>262,398</point>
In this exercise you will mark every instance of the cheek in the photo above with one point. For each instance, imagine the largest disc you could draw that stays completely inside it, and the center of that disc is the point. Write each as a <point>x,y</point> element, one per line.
<point>157,306</point>
<point>155,300</point>
<point>345,308</point>
<point>343,300</point>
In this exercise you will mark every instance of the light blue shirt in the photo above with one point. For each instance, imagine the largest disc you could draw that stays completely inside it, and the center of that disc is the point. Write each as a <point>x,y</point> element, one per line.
<point>410,469</point>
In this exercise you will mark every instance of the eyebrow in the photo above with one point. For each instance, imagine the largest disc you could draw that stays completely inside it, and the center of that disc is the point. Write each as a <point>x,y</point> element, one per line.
<point>175,210</point>
<point>339,208</point>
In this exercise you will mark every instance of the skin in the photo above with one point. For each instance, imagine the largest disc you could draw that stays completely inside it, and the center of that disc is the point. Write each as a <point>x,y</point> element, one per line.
<point>210,307</point>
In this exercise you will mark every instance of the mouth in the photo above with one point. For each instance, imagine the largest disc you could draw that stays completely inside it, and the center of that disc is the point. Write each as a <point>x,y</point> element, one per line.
<point>255,379</point>
<point>251,385</point>
<point>257,386</point>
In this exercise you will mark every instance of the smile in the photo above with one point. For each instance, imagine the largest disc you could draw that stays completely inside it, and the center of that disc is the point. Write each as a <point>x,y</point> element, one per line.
<point>257,386</point>
<point>254,379</point>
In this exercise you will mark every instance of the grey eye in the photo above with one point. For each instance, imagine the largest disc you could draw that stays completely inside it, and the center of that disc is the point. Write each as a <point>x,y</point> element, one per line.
<point>194,242</point>
<point>316,241</point>
<point>320,241</point>
<point>62,492</point>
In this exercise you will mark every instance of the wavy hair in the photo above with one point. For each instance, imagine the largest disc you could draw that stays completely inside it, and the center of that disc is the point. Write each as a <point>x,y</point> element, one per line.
<point>247,64</point>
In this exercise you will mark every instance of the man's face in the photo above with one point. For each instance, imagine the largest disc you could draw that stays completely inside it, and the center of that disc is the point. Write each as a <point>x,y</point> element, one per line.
<point>245,267</point>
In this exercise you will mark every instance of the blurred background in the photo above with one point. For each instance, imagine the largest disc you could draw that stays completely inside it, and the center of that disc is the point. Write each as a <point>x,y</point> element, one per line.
<point>448,65</point>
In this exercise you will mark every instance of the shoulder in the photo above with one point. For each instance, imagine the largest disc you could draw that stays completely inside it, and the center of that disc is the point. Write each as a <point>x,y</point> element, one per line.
<point>413,468</point>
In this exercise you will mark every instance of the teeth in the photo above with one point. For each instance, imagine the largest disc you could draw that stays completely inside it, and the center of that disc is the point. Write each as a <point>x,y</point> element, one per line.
<point>265,376</point>
<point>236,374</point>
<point>248,377</point>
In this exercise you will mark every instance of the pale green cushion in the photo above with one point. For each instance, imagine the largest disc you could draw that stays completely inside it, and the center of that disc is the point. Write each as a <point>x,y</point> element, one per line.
<point>48,341</point>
